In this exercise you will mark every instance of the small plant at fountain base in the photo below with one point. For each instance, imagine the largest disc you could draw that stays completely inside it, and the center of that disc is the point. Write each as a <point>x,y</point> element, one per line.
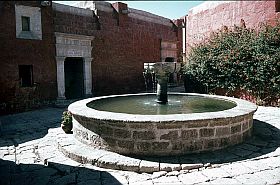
<point>66,122</point>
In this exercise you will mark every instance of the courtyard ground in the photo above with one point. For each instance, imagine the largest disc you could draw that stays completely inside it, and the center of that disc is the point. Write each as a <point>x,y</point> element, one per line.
<point>29,155</point>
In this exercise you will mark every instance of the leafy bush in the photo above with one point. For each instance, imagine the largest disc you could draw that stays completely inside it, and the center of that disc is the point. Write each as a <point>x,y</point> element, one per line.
<point>239,59</point>
<point>66,118</point>
<point>66,122</point>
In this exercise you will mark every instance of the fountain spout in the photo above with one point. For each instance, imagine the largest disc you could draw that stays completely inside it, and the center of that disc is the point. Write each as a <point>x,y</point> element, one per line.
<point>162,90</point>
<point>162,71</point>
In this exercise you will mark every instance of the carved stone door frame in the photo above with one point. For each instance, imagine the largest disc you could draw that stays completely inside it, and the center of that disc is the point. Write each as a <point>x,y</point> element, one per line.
<point>71,45</point>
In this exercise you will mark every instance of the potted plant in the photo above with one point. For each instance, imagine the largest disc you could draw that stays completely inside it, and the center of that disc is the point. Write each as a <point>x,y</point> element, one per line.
<point>66,123</point>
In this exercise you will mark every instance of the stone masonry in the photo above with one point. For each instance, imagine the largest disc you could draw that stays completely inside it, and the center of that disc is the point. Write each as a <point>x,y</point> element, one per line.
<point>159,134</point>
<point>193,137</point>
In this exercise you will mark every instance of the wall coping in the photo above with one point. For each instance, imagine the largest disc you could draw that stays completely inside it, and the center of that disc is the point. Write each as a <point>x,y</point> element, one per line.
<point>147,16</point>
<point>206,6</point>
<point>72,10</point>
<point>133,13</point>
<point>95,5</point>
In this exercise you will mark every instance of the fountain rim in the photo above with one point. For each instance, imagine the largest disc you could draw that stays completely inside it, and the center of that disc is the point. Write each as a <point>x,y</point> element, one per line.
<point>242,107</point>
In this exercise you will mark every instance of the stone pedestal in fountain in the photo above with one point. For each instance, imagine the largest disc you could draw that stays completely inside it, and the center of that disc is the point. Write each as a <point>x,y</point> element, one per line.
<point>162,90</point>
<point>162,71</point>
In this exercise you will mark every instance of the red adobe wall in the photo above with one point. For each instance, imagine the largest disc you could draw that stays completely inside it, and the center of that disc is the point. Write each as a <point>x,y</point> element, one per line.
<point>200,22</point>
<point>121,47</point>
<point>14,52</point>
<point>119,52</point>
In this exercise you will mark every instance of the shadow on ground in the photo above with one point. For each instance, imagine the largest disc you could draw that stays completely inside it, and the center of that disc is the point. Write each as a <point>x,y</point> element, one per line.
<point>52,174</point>
<point>23,127</point>
<point>265,139</point>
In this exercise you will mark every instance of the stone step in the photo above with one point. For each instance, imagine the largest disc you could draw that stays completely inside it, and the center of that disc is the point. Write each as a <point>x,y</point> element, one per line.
<point>82,153</point>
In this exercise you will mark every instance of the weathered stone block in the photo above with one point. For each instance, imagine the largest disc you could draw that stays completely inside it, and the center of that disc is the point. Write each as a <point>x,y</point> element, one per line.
<point>196,124</point>
<point>191,166</point>
<point>177,145</point>
<point>222,131</point>
<point>148,166</point>
<point>235,129</point>
<point>250,123</point>
<point>117,124</point>
<point>85,136</point>
<point>206,132</point>
<point>194,145</point>
<point>143,146</point>
<point>121,133</point>
<point>94,126</point>
<point>225,141</point>
<point>170,167</point>
<point>140,125</point>
<point>84,119</point>
<point>143,135</point>
<point>192,133</point>
<point>245,125</point>
<point>170,135</point>
<point>110,141</point>
<point>128,164</point>
<point>248,116</point>
<point>105,131</point>
<point>169,126</point>
<point>247,134</point>
<point>126,144</point>
<point>238,119</point>
<point>160,145</point>
<point>211,143</point>
<point>235,139</point>
<point>220,122</point>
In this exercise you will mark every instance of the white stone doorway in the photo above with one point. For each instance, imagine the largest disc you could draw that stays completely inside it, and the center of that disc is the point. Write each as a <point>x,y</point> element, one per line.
<point>76,49</point>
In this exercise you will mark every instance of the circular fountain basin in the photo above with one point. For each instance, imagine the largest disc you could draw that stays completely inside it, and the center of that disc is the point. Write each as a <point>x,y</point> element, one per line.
<point>134,124</point>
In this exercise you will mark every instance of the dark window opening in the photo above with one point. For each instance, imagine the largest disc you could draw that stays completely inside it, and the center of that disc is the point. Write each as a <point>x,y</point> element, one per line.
<point>169,59</point>
<point>25,23</point>
<point>26,75</point>
<point>277,5</point>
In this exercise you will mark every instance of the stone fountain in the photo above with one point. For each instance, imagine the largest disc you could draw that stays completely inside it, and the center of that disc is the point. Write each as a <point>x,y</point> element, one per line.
<point>171,124</point>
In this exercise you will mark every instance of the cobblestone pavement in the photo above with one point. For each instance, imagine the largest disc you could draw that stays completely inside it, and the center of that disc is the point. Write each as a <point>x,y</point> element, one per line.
<point>29,155</point>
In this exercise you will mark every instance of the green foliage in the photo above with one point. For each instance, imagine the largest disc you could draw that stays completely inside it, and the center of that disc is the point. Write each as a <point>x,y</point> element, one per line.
<point>239,59</point>
<point>66,118</point>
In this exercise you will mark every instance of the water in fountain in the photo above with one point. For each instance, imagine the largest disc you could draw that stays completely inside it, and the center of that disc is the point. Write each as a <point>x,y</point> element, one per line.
<point>147,105</point>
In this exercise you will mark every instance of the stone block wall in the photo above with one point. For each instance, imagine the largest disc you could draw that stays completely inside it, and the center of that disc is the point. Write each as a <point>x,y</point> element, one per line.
<point>163,138</point>
<point>211,16</point>
<point>18,51</point>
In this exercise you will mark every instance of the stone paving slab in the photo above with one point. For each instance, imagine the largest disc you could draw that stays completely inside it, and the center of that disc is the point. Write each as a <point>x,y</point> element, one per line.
<point>29,154</point>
